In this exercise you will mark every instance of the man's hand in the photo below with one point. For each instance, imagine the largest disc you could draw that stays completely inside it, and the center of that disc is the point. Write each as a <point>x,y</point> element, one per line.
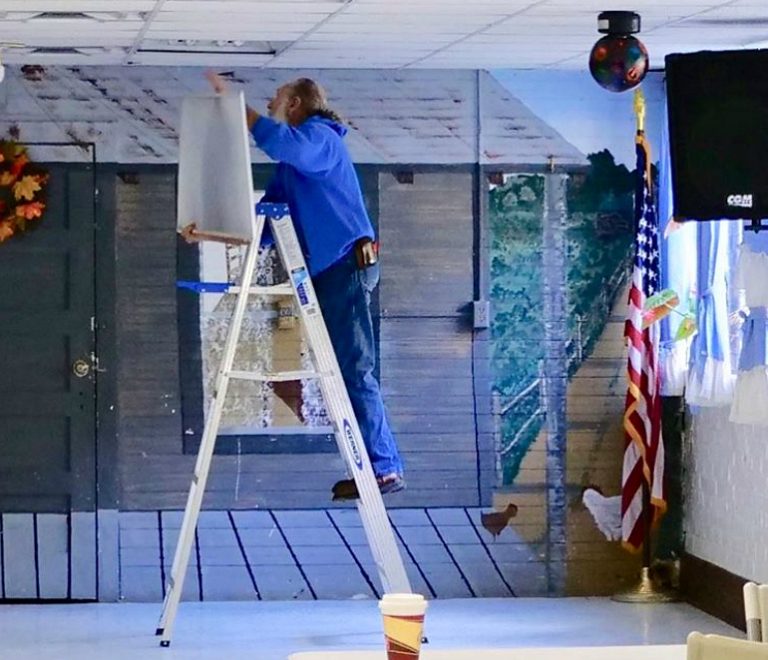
<point>220,86</point>
<point>189,233</point>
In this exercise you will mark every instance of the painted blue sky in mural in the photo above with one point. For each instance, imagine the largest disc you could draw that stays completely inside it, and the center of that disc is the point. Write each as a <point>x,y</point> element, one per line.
<point>586,115</point>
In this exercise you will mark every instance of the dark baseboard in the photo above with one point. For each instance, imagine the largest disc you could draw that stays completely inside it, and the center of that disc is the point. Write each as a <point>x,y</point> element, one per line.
<point>713,590</point>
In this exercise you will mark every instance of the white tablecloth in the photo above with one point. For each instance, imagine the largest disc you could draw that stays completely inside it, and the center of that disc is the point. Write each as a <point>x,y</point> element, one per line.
<point>676,652</point>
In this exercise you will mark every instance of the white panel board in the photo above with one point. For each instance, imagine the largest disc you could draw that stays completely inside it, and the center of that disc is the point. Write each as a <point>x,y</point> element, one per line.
<point>215,181</point>
<point>19,555</point>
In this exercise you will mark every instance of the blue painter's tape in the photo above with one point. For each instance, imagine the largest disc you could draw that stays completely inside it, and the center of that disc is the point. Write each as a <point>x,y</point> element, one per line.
<point>204,287</point>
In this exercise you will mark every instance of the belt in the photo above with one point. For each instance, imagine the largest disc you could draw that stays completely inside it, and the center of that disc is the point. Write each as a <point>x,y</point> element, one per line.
<point>366,252</point>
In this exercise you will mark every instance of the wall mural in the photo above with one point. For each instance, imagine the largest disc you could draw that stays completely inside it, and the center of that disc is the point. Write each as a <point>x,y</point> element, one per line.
<point>598,234</point>
<point>545,475</point>
<point>599,240</point>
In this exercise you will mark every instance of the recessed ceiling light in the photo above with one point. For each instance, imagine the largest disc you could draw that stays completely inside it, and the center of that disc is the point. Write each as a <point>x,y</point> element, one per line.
<point>71,50</point>
<point>68,16</point>
<point>54,50</point>
<point>216,46</point>
<point>62,16</point>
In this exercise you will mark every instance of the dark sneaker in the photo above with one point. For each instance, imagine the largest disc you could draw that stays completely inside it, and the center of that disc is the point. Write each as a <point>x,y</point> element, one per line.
<point>346,489</point>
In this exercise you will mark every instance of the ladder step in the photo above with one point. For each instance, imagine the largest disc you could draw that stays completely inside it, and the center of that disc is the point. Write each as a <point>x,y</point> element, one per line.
<point>283,289</point>
<point>273,377</point>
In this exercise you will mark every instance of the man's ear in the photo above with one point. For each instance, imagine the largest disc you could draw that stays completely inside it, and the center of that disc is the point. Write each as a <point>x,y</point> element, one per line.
<point>295,103</point>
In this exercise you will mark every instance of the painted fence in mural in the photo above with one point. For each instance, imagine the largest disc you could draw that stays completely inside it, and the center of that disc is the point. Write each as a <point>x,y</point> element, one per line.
<point>598,236</point>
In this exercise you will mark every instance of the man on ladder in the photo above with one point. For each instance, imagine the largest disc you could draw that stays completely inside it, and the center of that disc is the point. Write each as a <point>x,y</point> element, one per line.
<point>317,180</point>
<point>323,224</point>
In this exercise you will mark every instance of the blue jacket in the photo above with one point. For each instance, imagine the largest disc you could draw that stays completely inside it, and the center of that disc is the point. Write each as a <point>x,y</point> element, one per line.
<point>317,180</point>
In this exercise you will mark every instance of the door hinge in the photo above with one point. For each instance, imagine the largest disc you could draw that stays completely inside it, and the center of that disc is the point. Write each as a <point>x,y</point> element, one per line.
<point>95,363</point>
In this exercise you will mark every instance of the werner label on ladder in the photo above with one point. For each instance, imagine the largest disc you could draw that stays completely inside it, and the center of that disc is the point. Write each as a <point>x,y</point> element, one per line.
<point>327,246</point>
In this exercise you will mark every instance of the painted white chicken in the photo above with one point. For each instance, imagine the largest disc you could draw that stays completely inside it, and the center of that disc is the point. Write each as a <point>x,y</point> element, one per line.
<point>606,512</point>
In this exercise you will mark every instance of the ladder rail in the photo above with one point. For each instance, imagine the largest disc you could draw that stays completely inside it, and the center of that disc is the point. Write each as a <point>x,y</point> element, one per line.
<point>378,529</point>
<point>205,453</point>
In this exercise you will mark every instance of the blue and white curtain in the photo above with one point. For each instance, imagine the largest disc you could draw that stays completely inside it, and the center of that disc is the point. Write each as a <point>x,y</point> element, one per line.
<point>678,272</point>
<point>711,374</point>
<point>698,262</point>
<point>750,400</point>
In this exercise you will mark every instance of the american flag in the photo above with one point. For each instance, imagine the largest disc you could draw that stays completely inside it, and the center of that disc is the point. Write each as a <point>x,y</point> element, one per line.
<point>643,446</point>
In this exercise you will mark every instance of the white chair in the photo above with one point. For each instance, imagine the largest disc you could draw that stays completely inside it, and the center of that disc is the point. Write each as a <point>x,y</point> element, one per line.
<point>756,611</point>
<point>719,647</point>
<point>752,612</point>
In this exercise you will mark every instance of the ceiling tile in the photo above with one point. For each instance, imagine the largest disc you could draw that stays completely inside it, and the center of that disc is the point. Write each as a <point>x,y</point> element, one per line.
<point>371,33</point>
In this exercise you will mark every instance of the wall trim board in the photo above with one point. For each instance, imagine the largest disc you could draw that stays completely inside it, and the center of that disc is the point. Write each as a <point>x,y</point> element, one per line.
<point>713,590</point>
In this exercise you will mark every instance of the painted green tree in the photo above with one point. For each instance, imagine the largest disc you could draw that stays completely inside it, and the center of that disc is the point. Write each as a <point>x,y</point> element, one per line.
<point>599,239</point>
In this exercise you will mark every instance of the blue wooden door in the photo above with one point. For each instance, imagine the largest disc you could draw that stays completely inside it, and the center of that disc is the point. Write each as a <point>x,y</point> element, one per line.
<point>47,398</point>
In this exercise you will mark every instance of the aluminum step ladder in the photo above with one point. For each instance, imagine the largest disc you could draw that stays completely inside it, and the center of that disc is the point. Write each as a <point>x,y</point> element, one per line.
<point>378,529</point>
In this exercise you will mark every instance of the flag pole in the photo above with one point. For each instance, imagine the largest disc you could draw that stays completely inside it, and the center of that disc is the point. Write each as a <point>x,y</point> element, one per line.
<point>645,591</point>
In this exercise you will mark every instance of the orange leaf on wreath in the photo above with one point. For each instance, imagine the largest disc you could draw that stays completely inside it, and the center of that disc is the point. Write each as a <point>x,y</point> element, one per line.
<point>6,178</point>
<point>6,230</point>
<point>30,211</point>
<point>18,164</point>
<point>26,188</point>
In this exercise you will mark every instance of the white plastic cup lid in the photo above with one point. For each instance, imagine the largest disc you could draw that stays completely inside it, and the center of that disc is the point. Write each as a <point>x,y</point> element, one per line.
<point>403,604</point>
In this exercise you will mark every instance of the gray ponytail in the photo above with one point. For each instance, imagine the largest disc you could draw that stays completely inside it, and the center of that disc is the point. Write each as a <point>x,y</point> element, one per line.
<point>314,99</point>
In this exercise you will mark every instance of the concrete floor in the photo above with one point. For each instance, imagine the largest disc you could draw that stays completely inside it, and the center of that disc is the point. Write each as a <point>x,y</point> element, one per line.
<point>272,630</point>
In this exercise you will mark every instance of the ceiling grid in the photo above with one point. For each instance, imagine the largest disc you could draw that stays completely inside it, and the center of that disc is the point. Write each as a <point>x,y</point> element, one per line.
<point>365,34</point>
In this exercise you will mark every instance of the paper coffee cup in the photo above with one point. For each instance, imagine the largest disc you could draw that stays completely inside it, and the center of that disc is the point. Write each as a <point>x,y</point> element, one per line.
<point>403,624</point>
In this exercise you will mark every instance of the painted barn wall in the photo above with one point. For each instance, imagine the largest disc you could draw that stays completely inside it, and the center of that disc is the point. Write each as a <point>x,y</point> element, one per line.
<point>426,230</point>
<point>426,357</point>
<point>436,371</point>
<point>155,472</point>
<point>148,399</point>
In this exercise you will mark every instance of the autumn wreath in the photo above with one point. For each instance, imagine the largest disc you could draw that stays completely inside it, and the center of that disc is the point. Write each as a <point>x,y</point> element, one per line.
<point>22,189</point>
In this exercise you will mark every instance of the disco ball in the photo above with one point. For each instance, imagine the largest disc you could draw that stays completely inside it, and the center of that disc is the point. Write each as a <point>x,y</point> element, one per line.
<point>618,62</point>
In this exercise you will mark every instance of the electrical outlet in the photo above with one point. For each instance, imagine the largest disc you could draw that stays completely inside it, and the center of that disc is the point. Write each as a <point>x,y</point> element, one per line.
<point>482,314</point>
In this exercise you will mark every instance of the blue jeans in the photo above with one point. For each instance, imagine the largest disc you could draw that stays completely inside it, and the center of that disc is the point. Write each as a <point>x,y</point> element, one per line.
<point>344,294</point>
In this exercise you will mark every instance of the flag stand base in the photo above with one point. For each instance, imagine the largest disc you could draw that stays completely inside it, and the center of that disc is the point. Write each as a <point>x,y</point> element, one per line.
<point>646,592</point>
